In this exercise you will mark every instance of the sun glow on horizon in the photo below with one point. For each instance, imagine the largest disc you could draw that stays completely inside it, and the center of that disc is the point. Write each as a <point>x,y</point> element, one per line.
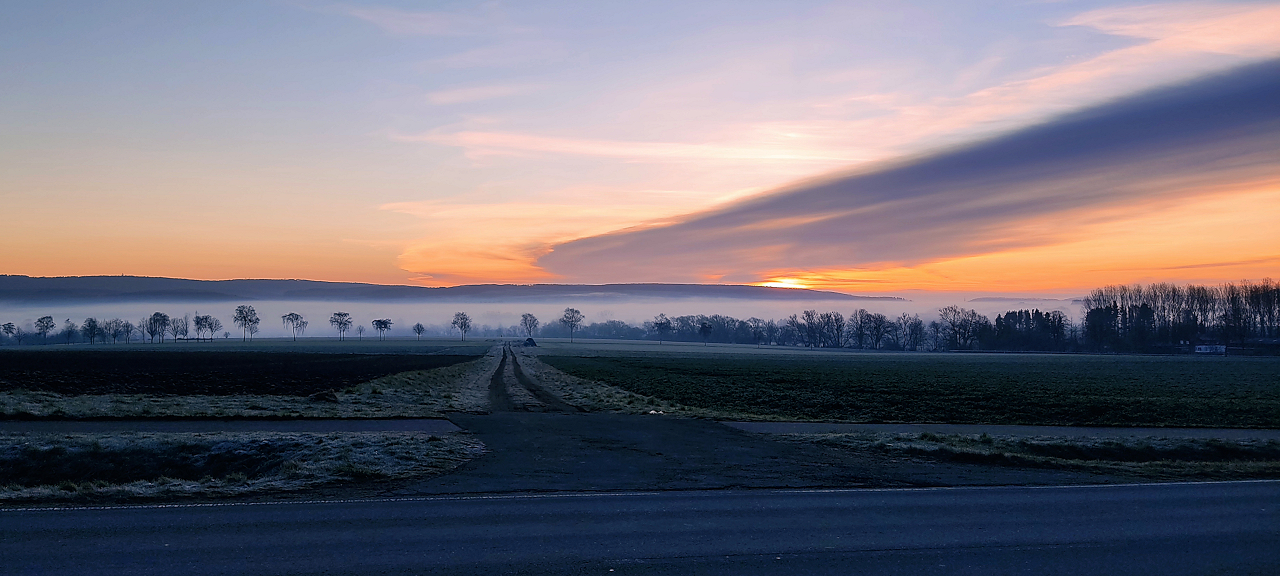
<point>784,283</point>
<point>1205,239</point>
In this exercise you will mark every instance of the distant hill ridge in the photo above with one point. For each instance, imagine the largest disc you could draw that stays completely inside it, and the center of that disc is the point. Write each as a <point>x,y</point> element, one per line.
<point>15,288</point>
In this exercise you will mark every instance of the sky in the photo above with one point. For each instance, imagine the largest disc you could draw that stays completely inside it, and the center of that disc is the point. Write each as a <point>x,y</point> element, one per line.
<point>984,147</point>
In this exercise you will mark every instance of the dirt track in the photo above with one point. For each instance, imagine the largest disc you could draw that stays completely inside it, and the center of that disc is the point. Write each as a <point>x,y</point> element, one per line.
<point>509,381</point>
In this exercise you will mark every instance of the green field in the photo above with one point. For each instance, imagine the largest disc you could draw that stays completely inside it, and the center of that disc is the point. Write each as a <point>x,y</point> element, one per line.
<point>1081,390</point>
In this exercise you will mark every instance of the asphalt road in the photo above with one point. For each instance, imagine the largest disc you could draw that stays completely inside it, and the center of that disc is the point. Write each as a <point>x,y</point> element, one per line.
<point>316,425</point>
<point>1006,430</point>
<point>1172,529</point>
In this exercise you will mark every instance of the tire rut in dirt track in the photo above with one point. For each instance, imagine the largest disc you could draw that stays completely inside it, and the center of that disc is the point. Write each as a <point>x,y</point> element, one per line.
<point>499,400</point>
<point>553,402</point>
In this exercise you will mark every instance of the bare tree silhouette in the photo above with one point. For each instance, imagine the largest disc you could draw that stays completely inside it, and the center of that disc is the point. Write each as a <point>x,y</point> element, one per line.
<point>180,327</point>
<point>69,330</point>
<point>207,324</point>
<point>529,323</point>
<point>662,325</point>
<point>157,325</point>
<point>418,329</point>
<point>201,325</point>
<point>341,321</point>
<point>462,322</point>
<point>90,329</point>
<point>43,326</point>
<point>382,325</point>
<point>705,330</point>
<point>247,319</point>
<point>571,319</point>
<point>757,329</point>
<point>294,322</point>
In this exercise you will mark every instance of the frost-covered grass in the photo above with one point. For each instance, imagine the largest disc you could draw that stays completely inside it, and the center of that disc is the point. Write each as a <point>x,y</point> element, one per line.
<point>147,466</point>
<point>416,394</point>
<point>595,396</point>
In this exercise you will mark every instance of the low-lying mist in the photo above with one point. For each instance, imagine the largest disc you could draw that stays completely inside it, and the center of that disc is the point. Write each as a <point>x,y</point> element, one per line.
<point>488,315</point>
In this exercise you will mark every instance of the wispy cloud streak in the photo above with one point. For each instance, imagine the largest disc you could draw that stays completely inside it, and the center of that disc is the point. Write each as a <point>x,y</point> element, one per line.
<point>483,143</point>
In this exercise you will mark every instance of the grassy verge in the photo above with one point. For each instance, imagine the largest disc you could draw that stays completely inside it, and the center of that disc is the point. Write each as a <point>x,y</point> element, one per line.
<point>1155,459</point>
<point>154,466</point>
<point>416,394</point>
<point>1065,390</point>
<point>596,396</point>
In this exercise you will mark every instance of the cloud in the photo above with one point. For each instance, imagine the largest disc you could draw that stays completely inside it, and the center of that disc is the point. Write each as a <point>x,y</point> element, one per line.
<point>487,143</point>
<point>1224,264</point>
<point>1179,41</point>
<point>1176,42</point>
<point>715,126</point>
<point>707,122</point>
<point>1231,264</point>
<point>1245,29</point>
<point>999,195</point>
<point>477,242</point>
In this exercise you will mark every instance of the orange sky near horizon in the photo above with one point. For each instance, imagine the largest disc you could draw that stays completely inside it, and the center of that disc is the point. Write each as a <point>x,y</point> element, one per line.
<point>1208,239</point>
<point>1204,239</point>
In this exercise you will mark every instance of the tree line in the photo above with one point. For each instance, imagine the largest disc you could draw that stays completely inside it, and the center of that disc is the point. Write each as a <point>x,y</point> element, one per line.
<point>1165,317</point>
<point>154,328</point>
<point>1162,318</point>
<point>159,326</point>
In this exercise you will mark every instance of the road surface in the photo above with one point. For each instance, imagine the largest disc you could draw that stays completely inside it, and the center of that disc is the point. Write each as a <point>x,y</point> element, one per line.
<point>312,425</point>
<point>1170,529</point>
<point>1007,430</point>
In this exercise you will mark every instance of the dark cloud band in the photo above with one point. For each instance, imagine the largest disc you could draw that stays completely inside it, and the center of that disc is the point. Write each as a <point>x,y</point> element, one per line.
<point>969,200</point>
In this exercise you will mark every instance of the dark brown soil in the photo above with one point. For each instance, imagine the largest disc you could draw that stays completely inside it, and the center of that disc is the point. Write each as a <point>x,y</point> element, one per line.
<point>206,373</point>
